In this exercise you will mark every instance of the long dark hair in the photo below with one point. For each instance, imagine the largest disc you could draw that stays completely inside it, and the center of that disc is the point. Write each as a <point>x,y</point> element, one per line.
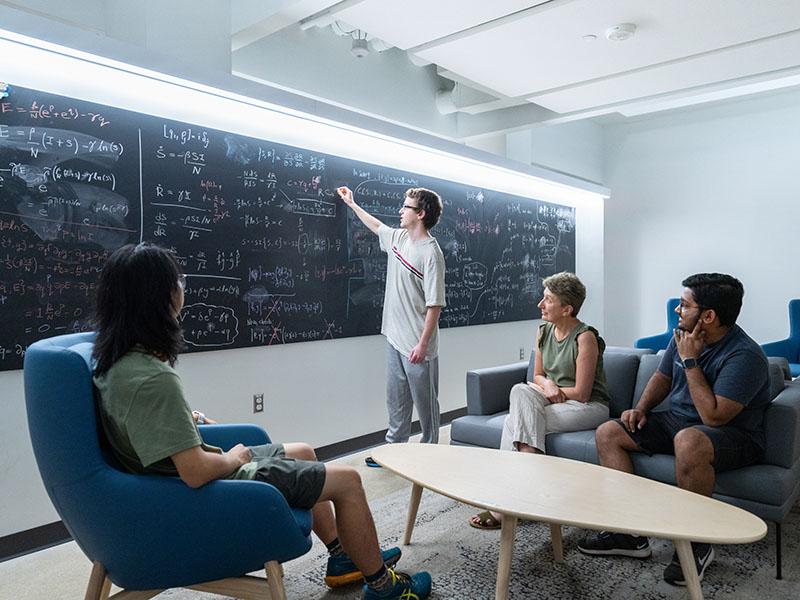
<point>135,305</point>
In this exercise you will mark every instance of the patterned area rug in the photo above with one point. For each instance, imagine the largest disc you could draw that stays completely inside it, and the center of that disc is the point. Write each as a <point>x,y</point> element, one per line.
<point>463,562</point>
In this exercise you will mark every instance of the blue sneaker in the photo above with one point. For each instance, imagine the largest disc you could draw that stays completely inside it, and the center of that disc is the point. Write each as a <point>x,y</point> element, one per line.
<point>403,587</point>
<point>341,570</point>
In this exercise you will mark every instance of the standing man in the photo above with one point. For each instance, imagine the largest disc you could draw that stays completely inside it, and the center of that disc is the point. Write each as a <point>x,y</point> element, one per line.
<point>411,307</point>
<point>717,381</point>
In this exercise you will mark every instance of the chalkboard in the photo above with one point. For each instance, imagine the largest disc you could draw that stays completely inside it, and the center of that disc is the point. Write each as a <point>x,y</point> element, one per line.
<point>272,256</point>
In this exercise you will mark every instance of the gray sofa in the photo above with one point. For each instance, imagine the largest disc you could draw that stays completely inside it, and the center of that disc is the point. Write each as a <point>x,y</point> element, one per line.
<point>768,490</point>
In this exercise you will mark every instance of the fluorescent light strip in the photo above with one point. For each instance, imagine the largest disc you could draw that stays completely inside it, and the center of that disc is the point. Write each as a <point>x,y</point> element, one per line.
<point>56,69</point>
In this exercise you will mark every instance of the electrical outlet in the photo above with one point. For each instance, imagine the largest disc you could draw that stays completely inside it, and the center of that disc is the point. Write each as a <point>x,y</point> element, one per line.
<point>258,403</point>
<point>522,353</point>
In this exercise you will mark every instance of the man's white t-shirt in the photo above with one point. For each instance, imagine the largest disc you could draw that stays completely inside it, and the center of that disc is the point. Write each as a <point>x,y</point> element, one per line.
<point>414,281</point>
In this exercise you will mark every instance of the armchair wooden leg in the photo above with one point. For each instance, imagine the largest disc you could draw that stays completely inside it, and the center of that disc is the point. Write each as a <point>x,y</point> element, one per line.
<point>97,583</point>
<point>105,591</point>
<point>275,580</point>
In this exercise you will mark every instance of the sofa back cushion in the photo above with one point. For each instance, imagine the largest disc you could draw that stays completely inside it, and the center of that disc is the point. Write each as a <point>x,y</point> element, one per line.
<point>648,364</point>
<point>620,368</point>
<point>777,380</point>
<point>782,427</point>
<point>529,372</point>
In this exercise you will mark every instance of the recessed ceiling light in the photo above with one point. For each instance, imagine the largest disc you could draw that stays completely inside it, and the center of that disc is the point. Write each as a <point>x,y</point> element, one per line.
<point>621,32</point>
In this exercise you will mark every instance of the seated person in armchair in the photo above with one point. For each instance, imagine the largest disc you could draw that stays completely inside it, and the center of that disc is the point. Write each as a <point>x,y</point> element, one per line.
<point>717,381</point>
<point>568,391</point>
<point>152,430</point>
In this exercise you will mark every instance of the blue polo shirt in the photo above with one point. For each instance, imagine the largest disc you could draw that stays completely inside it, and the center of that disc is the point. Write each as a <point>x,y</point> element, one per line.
<point>735,367</point>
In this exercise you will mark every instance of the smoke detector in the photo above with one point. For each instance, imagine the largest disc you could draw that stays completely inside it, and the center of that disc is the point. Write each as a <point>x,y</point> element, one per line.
<point>621,32</point>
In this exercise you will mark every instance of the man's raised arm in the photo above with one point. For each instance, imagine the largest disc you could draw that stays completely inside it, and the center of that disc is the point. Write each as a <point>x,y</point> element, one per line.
<point>346,194</point>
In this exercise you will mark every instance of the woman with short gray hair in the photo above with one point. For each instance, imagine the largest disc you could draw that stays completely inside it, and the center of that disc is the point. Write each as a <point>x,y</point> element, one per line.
<point>568,391</point>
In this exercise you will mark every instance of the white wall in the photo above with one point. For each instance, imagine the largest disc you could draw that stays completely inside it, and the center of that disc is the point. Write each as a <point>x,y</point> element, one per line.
<point>576,148</point>
<point>711,189</point>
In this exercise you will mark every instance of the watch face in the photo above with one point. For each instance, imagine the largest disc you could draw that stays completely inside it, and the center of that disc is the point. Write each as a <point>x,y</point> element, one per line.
<point>689,363</point>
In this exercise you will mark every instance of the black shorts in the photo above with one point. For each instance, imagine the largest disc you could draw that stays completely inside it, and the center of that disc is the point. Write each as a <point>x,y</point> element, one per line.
<point>733,447</point>
<point>300,481</point>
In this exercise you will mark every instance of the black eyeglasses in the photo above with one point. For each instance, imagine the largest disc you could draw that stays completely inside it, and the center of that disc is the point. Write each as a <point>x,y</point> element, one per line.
<point>682,308</point>
<point>414,208</point>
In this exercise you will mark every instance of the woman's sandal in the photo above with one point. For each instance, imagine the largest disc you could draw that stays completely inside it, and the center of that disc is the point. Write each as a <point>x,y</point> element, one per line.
<point>484,520</point>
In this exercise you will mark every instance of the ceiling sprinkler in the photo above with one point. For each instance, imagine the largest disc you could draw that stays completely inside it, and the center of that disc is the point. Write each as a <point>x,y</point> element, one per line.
<point>359,49</point>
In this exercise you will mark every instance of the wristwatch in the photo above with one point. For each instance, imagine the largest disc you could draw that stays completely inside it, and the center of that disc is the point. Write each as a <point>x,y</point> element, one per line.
<point>690,363</point>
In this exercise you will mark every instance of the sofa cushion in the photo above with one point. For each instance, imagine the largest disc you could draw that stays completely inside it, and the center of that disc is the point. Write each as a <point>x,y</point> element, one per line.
<point>766,484</point>
<point>776,380</point>
<point>648,364</point>
<point>478,430</point>
<point>620,371</point>
<point>577,445</point>
<point>627,350</point>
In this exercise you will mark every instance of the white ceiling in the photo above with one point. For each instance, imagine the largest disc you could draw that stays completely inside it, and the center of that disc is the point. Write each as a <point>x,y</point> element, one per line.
<point>535,51</point>
<point>530,57</point>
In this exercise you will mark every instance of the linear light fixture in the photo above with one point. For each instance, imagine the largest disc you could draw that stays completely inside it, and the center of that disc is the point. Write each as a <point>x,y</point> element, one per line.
<point>38,64</point>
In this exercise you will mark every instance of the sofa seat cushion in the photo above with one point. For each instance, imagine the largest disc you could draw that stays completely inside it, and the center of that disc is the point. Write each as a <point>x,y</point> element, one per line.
<point>478,430</point>
<point>767,484</point>
<point>577,445</point>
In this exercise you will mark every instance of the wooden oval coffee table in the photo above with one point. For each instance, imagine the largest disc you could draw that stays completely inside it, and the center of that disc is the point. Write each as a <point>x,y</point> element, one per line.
<point>559,491</point>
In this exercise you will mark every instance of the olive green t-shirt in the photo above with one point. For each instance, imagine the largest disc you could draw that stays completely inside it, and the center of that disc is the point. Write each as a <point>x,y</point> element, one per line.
<point>559,359</point>
<point>146,418</point>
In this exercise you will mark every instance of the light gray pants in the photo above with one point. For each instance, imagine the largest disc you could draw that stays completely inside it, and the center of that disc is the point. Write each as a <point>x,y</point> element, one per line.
<point>531,417</point>
<point>411,385</point>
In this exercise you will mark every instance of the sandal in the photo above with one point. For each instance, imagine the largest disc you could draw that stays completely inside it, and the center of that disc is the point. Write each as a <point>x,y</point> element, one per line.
<point>485,520</point>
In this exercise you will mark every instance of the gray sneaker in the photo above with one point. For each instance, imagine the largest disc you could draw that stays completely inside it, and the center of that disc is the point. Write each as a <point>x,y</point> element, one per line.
<point>703,555</point>
<point>607,543</point>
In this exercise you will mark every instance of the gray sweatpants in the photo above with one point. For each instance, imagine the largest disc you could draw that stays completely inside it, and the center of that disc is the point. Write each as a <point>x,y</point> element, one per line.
<point>411,385</point>
<point>531,417</point>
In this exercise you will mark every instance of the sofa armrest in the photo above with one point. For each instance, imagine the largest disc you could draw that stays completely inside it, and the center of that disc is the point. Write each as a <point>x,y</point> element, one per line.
<point>782,428</point>
<point>488,389</point>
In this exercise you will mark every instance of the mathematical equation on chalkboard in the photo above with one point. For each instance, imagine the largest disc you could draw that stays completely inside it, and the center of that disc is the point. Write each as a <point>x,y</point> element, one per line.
<point>271,254</point>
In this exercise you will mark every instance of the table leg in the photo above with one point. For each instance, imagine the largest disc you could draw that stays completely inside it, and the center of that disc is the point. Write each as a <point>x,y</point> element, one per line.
<point>684,549</point>
<point>413,506</point>
<point>507,533</point>
<point>556,542</point>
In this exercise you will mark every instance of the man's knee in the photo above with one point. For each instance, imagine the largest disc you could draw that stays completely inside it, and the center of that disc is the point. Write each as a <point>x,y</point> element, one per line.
<point>692,448</point>
<point>608,435</point>
<point>300,450</point>
<point>343,478</point>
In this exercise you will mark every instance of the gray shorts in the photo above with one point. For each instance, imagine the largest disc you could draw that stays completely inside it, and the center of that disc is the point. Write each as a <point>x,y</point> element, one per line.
<point>300,481</point>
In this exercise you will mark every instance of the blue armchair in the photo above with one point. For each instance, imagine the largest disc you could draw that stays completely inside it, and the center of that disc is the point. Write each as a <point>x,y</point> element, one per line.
<point>148,532</point>
<point>660,341</point>
<point>790,347</point>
